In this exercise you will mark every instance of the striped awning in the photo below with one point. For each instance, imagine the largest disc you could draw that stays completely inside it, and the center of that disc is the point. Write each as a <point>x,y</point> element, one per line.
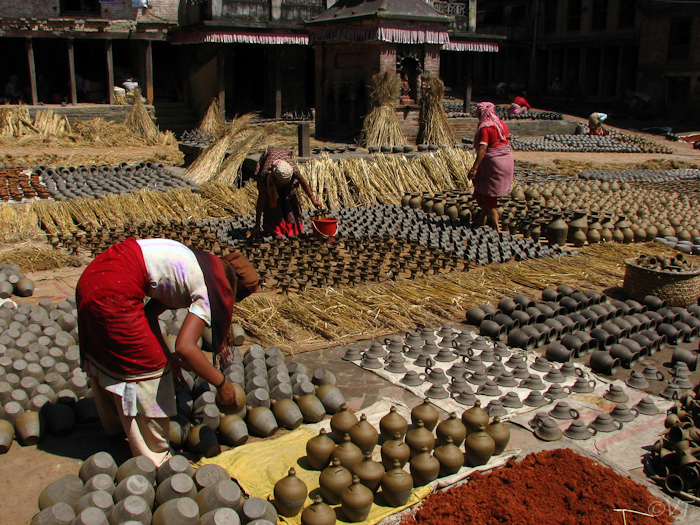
<point>395,35</point>
<point>238,37</point>
<point>479,47</point>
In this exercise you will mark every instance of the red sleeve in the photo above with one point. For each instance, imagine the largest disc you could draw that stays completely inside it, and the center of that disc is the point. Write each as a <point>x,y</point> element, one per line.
<point>486,135</point>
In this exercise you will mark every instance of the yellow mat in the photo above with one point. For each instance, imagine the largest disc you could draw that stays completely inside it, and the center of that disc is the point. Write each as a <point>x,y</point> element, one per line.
<point>258,466</point>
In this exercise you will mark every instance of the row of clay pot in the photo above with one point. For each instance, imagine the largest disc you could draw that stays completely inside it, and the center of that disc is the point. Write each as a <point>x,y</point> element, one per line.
<point>139,492</point>
<point>13,281</point>
<point>641,175</point>
<point>16,184</point>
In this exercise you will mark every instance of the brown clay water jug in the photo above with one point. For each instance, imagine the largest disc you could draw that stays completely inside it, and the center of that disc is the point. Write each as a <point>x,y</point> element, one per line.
<point>500,435</point>
<point>342,421</point>
<point>348,453</point>
<point>395,450</point>
<point>479,447</point>
<point>424,467</point>
<point>233,430</point>
<point>397,485</point>
<point>290,494</point>
<point>179,511</point>
<point>419,437</point>
<point>319,450</point>
<point>333,480</point>
<point>364,435</point>
<point>356,501</point>
<point>474,417</point>
<point>450,457</point>
<point>392,423</point>
<point>176,486</point>
<point>287,413</point>
<point>451,427</point>
<point>427,413</point>
<point>224,493</point>
<point>370,472</point>
<point>318,513</point>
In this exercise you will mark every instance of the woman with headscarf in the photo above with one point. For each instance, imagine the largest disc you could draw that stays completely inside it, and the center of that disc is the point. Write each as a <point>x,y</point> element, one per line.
<point>123,352</point>
<point>595,123</point>
<point>278,205</point>
<point>492,172</point>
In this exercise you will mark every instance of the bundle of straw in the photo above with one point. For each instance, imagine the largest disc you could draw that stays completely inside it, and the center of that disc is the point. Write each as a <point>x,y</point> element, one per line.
<point>48,123</point>
<point>139,122</point>
<point>18,224</point>
<point>37,257</point>
<point>213,121</point>
<point>15,121</point>
<point>434,127</point>
<point>381,125</point>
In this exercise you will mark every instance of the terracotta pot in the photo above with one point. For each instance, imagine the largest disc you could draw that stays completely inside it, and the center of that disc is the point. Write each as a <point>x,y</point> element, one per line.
<point>424,467</point>
<point>426,413</point>
<point>450,457</point>
<point>290,494</point>
<point>370,472</point>
<point>318,513</point>
<point>364,435</point>
<point>342,421</point>
<point>333,480</point>
<point>392,423</point>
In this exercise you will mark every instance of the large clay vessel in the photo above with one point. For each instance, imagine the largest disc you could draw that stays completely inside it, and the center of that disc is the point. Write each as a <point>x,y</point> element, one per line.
<point>261,421</point>
<point>333,480</point>
<point>364,435</point>
<point>370,472</point>
<point>557,230</point>
<point>396,486</point>
<point>392,423</point>
<point>58,514</point>
<point>419,437</point>
<point>208,475</point>
<point>342,421</point>
<point>180,511</point>
<point>451,427</point>
<point>319,450</point>
<point>331,397</point>
<point>135,485</point>
<point>311,408</point>
<point>287,413</point>
<point>99,463</point>
<point>223,493</point>
<point>474,417</point>
<point>424,467</point>
<point>136,465</point>
<point>176,486</point>
<point>427,413</point>
<point>290,494</point>
<point>7,434</point>
<point>318,513</point>
<point>348,453</point>
<point>202,440</point>
<point>500,435</point>
<point>479,447</point>
<point>66,489</point>
<point>29,427</point>
<point>395,450</point>
<point>356,501</point>
<point>233,430</point>
<point>130,509</point>
<point>450,457</point>
<point>219,517</point>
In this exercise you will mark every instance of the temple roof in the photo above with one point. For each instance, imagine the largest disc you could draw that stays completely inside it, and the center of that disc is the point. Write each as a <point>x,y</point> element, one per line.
<point>398,10</point>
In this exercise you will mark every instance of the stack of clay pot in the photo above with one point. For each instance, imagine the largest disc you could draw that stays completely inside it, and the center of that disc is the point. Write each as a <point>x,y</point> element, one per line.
<point>429,448</point>
<point>17,184</point>
<point>672,462</point>
<point>270,394</point>
<point>42,387</point>
<point>138,492</point>
<point>13,281</point>
<point>72,182</point>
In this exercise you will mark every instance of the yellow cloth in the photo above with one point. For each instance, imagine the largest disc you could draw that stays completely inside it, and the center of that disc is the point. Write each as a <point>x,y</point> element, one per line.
<point>258,466</point>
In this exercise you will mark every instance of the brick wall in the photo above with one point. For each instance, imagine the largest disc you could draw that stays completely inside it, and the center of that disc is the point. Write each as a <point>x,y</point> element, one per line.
<point>160,12</point>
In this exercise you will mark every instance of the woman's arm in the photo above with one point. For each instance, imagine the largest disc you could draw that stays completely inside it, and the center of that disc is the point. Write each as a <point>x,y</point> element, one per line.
<point>480,153</point>
<point>259,207</point>
<point>194,359</point>
<point>307,189</point>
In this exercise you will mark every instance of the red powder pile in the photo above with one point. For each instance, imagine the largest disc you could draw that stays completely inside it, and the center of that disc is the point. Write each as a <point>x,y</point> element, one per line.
<point>550,487</point>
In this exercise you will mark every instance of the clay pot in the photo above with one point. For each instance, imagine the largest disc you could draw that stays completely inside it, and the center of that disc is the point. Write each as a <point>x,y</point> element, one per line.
<point>135,485</point>
<point>29,427</point>
<point>233,430</point>
<point>424,467</point>
<point>364,435</point>
<point>397,486</point>
<point>179,511</point>
<point>500,435</point>
<point>222,493</point>
<point>356,501</point>
<point>174,465</point>
<point>342,421</point>
<point>290,494</point>
<point>261,421</point>
<point>7,434</point>
<point>319,450</point>
<point>131,508</point>
<point>557,230</point>
<point>331,397</point>
<point>395,450</point>
<point>392,423</point>
<point>479,447</point>
<point>333,480</point>
<point>318,513</point>
<point>475,417</point>
<point>311,408</point>
<point>453,428</point>
<point>67,489</point>
<point>287,413</point>
<point>58,514</point>
<point>137,465</point>
<point>176,486</point>
<point>348,453</point>
<point>370,472</point>
<point>426,413</point>
<point>202,440</point>
<point>419,437</point>
<point>450,457</point>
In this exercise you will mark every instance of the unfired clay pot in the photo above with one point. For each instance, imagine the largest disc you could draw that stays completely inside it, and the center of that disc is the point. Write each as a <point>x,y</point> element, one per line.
<point>424,467</point>
<point>342,421</point>
<point>450,457</point>
<point>290,494</point>
<point>427,413</point>
<point>370,472</point>
<point>392,423</point>
<point>348,453</point>
<point>397,485</point>
<point>395,450</point>
<point>419,437</point>
<point>479,447</point>
<point>319,450</point>
<point>318,513</point>
<point>333,480</point>
<point>364,435</point>
<point>356,501</point>
<point>451,427</point>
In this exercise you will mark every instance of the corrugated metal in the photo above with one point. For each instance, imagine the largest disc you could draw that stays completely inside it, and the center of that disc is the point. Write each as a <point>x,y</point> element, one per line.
<point>397,35</point>
<point>239,37</point>
<point>482,47</point>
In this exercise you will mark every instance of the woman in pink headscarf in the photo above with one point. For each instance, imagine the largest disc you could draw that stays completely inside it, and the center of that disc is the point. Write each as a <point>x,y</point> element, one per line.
<point>492,172</point>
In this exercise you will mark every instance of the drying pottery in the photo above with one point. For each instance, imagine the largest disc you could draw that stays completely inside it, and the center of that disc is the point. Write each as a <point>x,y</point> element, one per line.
<point>579,430</point>
<point>616,394</point>
<point>451,427</point>
<point>98,463</point>
<point>135,485</point>
<point>137,465</point>
<point>311,408</point>
<point>364,435</point>
<point>224,493</point>
<point>347,453</point>
<point>342,421</point>
<point>131,509</point>
<point>392,423</point>
<point>29,427</point>
<point>500,435</point>
<point>219,517</point>
<point>258,509</point>
<point>547,430</point>
<point>397,486</point>
<point>91,516</point>
<point>58,514</point>
<point>419,437</point>
<point>356,501</point>
<point>424,467</point>
<point>290,494</point>
<point>605,423</point>
<point>370,472</point>
<point>623,413</point>
<point>202,440</point>
<point>474,417</point>
<point>233,430</point>
<point>174,465</point>
<point>180,511</point>
<point>333,480</point>
<point>449,456</point>
<point>318,513</point>
<point>647,407</point>
<point>331,397</point>
<point>67,489</point>
<point>176,486</point>
<point>426,413</point>
<point>319,450</point>
<point>287,413</point>
<point>479,446</point>
<point>395,450</point>
<point>562,410</point>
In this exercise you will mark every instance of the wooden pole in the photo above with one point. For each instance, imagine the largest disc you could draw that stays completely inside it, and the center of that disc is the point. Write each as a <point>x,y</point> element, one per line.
<point>221,79</point>
<point>110,70</point>
<point>149,71</point>
<point>71,72</point>
<point>278,83</point>
<point>32,70</point>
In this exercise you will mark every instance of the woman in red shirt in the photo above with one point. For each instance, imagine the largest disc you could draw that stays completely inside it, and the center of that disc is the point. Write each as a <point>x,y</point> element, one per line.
<point>492,172</point>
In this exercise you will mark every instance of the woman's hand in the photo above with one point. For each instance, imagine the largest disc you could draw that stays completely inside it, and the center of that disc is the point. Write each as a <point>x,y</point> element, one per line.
<point>318,204</point>
<point>226,395</point>
<point>472,174</point>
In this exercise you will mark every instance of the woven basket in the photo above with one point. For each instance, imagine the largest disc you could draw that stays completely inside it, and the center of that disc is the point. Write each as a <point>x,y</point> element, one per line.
<point>676,288</point>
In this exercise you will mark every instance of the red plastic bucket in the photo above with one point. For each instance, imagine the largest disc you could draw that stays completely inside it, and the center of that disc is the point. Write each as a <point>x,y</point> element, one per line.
<point>325,228</point>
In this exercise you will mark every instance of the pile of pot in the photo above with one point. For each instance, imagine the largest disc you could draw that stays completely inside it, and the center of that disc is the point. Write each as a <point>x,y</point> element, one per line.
<point>93,181</point>
<point>139,492</point>
<point>13,281</point>
<point>672,462</point>
<point>504,113</point>
<point>641,175</point>
<point>270,394</point>
<point>572,143</point>
<point>429,448</point>
<point>196,137</point>
<point>571,323</point>
<point>41,384</point>
<point>623,212</point>
<point>18,183</point>
<point>666,264</point>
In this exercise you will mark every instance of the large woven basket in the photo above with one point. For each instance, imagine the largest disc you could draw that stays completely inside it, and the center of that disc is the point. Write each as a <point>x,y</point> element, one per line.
<point>676,288</point>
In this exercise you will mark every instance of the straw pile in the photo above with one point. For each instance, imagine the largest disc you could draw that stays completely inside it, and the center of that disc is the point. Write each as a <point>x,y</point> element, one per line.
<point>15,121</point>
<point>140,123</point>
<point>47,122</point>
<point>384,179</point>
<point>213,121</point>
<point>381,125</point>
<point>337,316</point>
<point>37,257</point>
<point>18,224</point>
<point>434,128</point>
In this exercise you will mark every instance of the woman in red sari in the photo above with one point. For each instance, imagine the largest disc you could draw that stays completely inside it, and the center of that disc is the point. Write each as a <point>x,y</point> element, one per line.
<point>492,172</point>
